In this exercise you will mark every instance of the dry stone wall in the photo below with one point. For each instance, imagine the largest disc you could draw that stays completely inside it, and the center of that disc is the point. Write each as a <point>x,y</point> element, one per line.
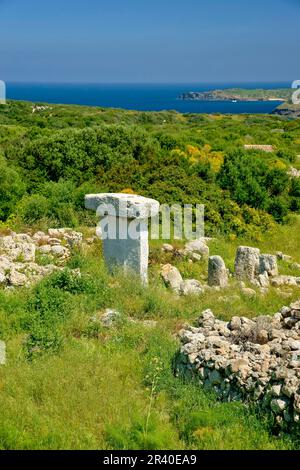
<point>253,360</point>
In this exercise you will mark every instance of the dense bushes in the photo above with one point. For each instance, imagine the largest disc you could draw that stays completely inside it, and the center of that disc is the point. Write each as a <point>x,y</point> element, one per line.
<point>252,182</point>
<point>174,158</point>
<point>51,303</point>
<point>11,189</point>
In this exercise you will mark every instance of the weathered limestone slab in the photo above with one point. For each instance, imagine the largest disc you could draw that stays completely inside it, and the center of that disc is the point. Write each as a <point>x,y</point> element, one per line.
<point>124,229</point>
<point>268,263</point>
<point>247,263</point>
<point>172,277</point>
<point>217,272</point>
<point>130,206</point>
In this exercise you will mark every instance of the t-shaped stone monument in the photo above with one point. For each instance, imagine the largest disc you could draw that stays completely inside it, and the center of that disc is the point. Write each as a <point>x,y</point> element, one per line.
<point>123,229</point>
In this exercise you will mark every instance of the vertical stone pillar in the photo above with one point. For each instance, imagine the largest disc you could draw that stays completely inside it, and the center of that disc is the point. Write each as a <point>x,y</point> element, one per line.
<point>123,229</point>
<point>217,272</point>
<point>247,263</point>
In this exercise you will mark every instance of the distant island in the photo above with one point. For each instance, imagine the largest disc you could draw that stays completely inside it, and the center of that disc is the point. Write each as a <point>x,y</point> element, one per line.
<point>286,108</point>
<point>238,94</point>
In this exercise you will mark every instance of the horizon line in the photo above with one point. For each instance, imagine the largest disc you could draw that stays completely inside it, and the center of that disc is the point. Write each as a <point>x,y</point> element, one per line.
<point>44,82</point>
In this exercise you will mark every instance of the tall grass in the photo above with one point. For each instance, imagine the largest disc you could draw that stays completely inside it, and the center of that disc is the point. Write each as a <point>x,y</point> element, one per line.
<point>114,387</point>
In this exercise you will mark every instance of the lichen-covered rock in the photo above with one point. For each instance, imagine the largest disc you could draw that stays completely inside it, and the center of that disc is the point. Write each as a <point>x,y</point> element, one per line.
<point>171,277</point>
<point>197,246</point>
<point>263,280</point>
<point>248,292</point>
<point>254,360</point>
<point>108,318</point>
<point>191,287</point>
<point>284,280</point>
<point>247,263</point>
<point>18,251</point>
<point>167,248</point>
<point>217,272</point>
<point>16,278</point>
<point>268,264</point>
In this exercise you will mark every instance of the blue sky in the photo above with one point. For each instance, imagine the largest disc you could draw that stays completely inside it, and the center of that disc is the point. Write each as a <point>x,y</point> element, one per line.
<point>149,40</point>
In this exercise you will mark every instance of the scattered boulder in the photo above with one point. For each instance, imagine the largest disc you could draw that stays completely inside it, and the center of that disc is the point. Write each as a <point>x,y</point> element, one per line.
<point>263,280</point>
<point>217,272</point>
<point>191,287</point>
<point>16,278</point>
<point>248,292</point>
<point>197,246</point>
<point>281,256</point>
<point>268,264</point>
<point>59,250</point>
<point>45,249</point>
<point>2,353</point>
<point>109,317</point>
<point>172,277</point>
<point>167,248</point>
<point>295,265</point>
<point>261,269</point>
<point>195,257</point>
<point>283,280</point>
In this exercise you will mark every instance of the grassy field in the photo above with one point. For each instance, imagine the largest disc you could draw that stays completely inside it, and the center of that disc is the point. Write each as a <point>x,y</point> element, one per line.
<point>71,383</point>
<point>90,387</point>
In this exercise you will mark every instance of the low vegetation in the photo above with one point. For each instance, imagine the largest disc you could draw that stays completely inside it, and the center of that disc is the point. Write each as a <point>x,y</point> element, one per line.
<point>72,383</point>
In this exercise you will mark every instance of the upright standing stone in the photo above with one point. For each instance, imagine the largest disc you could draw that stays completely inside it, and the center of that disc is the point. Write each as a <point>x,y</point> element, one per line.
<point>217,272</point>
<point>2,353</point>
<point>124,229</point>
<point>247,263</point>
<point>268,263</point>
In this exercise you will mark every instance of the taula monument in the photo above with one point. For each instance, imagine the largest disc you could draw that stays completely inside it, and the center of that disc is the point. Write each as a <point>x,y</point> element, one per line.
<point>123,228</point>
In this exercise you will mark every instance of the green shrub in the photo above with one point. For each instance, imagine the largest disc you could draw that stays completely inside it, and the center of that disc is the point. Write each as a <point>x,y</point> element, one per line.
<point>12,188</point>
<point>33,208</point>
<point>71,282</point>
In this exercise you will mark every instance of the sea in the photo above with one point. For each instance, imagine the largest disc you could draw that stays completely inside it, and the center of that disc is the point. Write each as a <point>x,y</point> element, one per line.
<point>141,97</point>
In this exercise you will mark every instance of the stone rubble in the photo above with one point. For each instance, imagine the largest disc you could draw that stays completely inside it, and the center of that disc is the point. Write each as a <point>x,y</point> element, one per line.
<point>20,253</point>
<point>260,270</point>
<point>254,360</point>
<point>294,173</point>
<point>194,250</point>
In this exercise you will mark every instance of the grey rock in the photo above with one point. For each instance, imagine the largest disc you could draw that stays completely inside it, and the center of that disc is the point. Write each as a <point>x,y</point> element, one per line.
<point>295,305</point>
<point>172,277</point>
<point>59,250</point>
<point>247,263</point>
<point>294,345</point>
<point>16,279</point>
<point>250,293</point>
<point>196,257</point>
<point>109,317</point>
<point>278,405</point>
<point>268,264</point>
<point>167,248</point>
<point>263,280</point>
<point>214,378</point>
<point>284,280</point>
<point>217,272</point>
<point>191,287</point>
<point>2,277</point>
<point>251,360</point>
<point>45,249</point>
<point>235,323</point>
<point>276,390</point>
<point>198,246</point>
